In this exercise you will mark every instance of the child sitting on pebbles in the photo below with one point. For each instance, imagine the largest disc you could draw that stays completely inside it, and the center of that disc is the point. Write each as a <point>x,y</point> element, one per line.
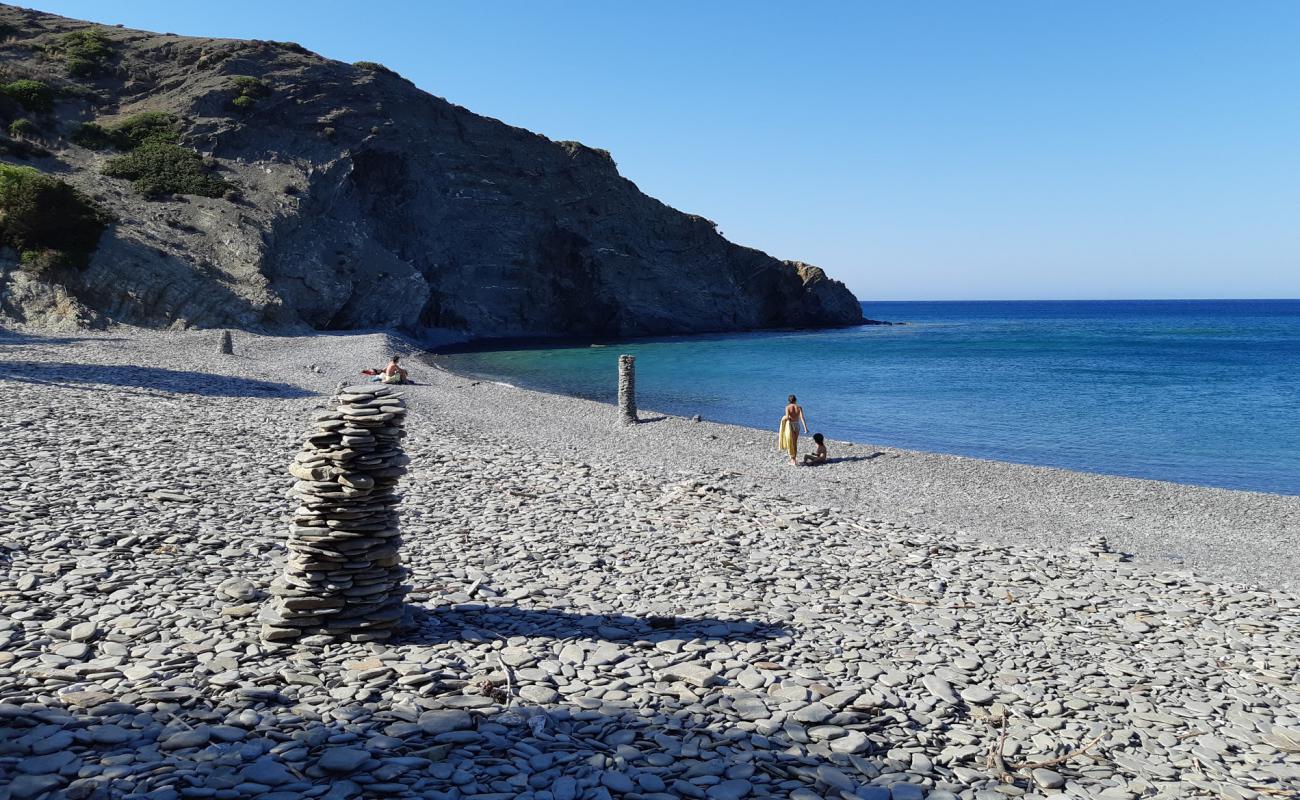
<point>818,455</point>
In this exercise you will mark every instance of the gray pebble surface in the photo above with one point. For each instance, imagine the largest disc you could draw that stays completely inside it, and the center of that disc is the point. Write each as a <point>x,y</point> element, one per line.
<point>601,612</point>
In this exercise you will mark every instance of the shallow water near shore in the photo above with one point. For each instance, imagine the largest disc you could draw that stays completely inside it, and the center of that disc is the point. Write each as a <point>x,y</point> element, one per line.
<point>1203,392</point>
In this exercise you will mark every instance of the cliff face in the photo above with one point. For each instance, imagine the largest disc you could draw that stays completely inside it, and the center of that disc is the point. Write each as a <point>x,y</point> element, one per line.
<point>364,202</point>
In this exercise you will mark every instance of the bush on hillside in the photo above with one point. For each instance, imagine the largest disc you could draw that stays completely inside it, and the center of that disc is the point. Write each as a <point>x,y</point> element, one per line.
<point>249,89</point>
<point>92,136</point>
<point>22,127</point>
<point>150,126</point>
<point>31,95</point>
<point>249,86</point>
<point>86,52</point>
<point>78,92</point>
<point>161,167</point>
<point>39,213</point>
<point>373,66</point>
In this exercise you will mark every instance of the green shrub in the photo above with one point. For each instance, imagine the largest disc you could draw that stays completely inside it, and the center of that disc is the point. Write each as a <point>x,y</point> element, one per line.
<point>92,136</point>
<point>149,126</point>
<point>77,91</point>
<point>40,213</point>
<point>7,31</point>
<point>243,103</point>
<point>292,47</point>
<point>86,52</point>
<point>248,86</point>
<point>130,133</point>
<point>22,127</point>
<point>161,167</point>
<point>31,95</point>
<point>373,66</point>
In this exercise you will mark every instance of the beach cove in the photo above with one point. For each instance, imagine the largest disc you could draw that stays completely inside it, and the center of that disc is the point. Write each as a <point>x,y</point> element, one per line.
<point>657,611</point>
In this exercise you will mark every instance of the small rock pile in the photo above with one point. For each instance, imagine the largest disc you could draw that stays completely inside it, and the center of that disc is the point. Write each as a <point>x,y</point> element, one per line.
<point>343,579</point>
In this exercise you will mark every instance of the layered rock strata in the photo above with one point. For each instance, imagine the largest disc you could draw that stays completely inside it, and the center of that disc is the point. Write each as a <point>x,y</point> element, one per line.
<point>343,578</point>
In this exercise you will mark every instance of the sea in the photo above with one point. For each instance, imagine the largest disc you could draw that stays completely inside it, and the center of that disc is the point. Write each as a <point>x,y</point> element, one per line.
<point>1203,392</point>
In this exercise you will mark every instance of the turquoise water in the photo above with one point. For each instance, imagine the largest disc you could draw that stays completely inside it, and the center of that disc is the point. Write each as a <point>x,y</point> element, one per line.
<point>1201,392</point>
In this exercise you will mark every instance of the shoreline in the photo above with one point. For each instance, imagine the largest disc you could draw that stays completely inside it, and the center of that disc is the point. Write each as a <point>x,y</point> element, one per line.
<point>430,359</point>
<point>1165,525</point>
<point>1251,538</point>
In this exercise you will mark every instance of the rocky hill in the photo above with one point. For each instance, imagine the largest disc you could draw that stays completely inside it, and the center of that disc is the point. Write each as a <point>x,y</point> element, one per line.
<point>256,184</point>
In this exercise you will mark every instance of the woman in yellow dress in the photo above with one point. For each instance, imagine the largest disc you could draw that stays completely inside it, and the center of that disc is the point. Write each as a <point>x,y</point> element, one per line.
<point>788,436</point>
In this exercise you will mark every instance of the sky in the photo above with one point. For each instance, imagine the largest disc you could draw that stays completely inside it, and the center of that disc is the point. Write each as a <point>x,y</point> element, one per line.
<point>915,150</point>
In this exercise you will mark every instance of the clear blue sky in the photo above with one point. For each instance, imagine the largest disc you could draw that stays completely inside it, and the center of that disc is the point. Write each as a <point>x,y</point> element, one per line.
<point>917,150</point>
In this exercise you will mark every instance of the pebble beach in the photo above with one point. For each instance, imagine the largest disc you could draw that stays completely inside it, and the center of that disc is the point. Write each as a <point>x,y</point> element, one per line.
<point>660,611</point>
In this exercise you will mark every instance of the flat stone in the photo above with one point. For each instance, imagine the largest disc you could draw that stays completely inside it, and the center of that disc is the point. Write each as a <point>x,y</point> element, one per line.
<point>978,695</point>
<point>694,674</point>
<point>851,742</point>
<point>342,759</point>
<point>445,720</point>
<point>268,772</point>
<point>182,740</point>
<point>1048,779</point>
<point>52,743</point>
<point>83,632</point>
<point>73,650</point>
<point>541,695</point>
<point>617,781</point>
<point>45,764</point>
<point>25,786</point>
<point>941,689</point>
<point>729,790</point>
<point>813,713</point>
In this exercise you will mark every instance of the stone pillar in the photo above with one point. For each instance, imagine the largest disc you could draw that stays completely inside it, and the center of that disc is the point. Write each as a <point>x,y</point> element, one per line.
<point>627,390</point>
<point>227,344</point>
<point>343,578</point>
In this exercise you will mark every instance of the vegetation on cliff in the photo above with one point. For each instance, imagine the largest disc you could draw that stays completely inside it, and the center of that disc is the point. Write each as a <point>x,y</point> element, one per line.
<point>46,220</point>
<point>248,90</point>
<point>159,168</point>
<point>153,161</point>
<point>86,53</point>
<point>32,95</point>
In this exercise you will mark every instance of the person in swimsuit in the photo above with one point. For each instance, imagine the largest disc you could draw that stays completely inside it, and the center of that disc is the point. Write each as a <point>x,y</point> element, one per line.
<point>393,373</point>
<point>788,437</point>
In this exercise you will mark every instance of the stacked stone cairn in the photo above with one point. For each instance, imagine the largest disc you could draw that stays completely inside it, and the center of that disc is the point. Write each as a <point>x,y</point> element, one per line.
<point>343,578</point>
<point>627,390</point>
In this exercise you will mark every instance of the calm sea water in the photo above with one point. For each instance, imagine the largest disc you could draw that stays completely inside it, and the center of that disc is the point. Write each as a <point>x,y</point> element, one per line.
<point>1201,392</point>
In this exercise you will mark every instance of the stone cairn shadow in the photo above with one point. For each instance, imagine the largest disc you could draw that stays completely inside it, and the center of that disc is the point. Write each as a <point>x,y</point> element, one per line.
<point>343,578</point>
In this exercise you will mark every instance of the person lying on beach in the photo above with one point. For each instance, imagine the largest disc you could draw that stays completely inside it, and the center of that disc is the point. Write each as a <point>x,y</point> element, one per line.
<point>393,373</point>
<point>787,438</point>
<point>817,456</point>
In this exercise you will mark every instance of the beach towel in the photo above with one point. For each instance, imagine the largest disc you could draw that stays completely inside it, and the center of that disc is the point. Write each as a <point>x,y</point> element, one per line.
<point>785,439</point>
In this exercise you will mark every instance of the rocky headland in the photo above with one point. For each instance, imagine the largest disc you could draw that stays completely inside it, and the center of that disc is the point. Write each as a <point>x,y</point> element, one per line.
<point>255,184</point>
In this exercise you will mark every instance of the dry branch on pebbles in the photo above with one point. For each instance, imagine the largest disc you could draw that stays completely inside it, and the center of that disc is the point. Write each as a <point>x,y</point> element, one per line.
<point>343,579</point>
